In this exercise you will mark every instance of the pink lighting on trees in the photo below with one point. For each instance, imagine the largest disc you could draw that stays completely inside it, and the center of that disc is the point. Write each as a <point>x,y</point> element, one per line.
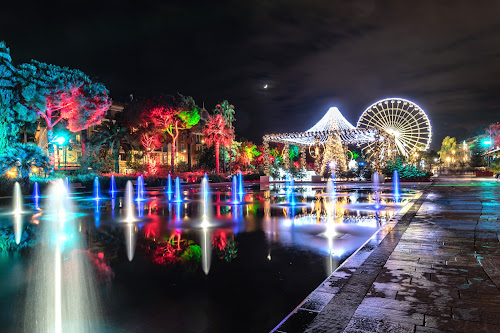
<point>218,133</point>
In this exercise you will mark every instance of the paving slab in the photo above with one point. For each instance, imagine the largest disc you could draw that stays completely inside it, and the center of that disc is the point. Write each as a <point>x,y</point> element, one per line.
<point>436,269</point>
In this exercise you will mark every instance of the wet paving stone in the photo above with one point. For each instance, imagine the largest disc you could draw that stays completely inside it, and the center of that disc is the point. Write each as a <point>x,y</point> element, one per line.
<point>317,301</point>
<point>298,322</point>
<point>436,270</point>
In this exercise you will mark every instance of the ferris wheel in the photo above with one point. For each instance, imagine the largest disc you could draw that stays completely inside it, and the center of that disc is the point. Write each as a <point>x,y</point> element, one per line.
<point>404,120</point>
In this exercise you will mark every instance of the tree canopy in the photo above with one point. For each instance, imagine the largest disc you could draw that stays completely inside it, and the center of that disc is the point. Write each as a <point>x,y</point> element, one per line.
<point>57,93</point>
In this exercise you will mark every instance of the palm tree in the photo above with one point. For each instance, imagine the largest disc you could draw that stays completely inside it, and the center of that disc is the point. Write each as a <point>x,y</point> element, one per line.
<point>113,135</point>
<point>218,133</point>
<point>23,156</point>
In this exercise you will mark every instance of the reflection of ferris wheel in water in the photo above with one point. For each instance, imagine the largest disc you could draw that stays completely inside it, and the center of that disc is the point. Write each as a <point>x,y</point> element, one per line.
<point>403,119</point>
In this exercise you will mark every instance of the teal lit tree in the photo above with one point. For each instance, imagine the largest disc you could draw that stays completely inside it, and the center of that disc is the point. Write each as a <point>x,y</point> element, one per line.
<point>23,157</point>
<point>60,94</point>
<point>13,115</point>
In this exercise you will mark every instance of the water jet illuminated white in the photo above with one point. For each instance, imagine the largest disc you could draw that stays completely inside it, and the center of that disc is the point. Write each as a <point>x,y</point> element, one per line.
<point>18,210</point>
<point>130,228</point>
<point>206,250</point>
<point>61,296</point>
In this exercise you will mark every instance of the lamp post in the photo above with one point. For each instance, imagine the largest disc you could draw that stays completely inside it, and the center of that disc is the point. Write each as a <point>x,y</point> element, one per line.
<point>60,142</point>
<point>487,143</point>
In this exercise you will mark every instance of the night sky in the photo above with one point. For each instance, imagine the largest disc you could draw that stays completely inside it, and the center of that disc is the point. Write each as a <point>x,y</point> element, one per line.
<point>443,55</point>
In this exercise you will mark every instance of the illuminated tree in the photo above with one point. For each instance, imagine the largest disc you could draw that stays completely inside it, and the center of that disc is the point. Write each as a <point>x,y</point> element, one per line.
<point>113,135</point>
<point>23,157</point>
<point>150,142</point>
<point>170,115</point>
<point>217,133</point>
<point>13,115</point>
<point>227,111</point>
<point>333,157</point>
<point>61,94</point>
<point>448,149</point>
<point>494,133</point>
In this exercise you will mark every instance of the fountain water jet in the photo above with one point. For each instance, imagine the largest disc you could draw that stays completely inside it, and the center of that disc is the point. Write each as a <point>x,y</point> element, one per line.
<point>178,197</point>
<point>130,228</point>
<point>206,250</point>
<point>61,296</point>
<point>169,184</point>
<point>36,191</point>
<point>66,183</point>
<point>241,189</point>
<point>205,196</point>
<point>375,188</point>
<point>234,191</point>
<point>112,190</point>
<point>97,191</point>
<point>290,190</point>
<point>330,188</point>
<point>140,188</point>
<point>395,184</point>
<point>18,210</point>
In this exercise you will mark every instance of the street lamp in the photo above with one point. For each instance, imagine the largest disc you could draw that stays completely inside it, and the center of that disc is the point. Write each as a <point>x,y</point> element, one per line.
<point>60,141</point>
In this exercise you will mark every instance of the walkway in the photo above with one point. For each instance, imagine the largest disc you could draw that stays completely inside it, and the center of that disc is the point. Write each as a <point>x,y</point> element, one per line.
<point>436,270</point>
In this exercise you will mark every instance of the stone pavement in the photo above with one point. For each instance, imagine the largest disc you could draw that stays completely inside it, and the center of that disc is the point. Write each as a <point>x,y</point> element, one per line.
<point>435,269</point>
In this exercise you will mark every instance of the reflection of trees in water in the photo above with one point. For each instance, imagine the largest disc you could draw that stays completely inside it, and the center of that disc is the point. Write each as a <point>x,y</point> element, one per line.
<point>225,246</point>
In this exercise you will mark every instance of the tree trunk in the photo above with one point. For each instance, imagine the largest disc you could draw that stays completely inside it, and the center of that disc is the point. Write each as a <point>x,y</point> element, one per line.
<point>83,140</point>
<point>223,159</point>
<point>217,157</point>
<point>189,156</point>
<point>116,154</point>
<point>50,146</point>
<point>25,175</point>
<point>172,157</point>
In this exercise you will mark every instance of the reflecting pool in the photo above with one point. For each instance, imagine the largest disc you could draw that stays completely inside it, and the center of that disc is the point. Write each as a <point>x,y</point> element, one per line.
<point>208,260</point>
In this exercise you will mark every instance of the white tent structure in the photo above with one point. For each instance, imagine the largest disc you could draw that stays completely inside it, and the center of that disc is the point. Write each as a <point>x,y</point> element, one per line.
<point>326,141</point>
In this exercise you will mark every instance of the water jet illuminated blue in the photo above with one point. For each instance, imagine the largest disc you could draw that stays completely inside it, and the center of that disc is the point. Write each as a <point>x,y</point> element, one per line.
<point>178,197</point>
<point>241,189</point>
<point>290,190</point>
<point>112,190</point>
<point>395,184</point>
<point>97,191</point>
<point>169,184</point>
<point>205,196</point>
<point>36,191</point>
<point>66,183</point>
<point>140,188</point>
<point>234,191</point>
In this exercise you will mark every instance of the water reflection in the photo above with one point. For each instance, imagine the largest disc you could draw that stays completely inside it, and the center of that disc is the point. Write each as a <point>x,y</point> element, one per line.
<point>332,220</point>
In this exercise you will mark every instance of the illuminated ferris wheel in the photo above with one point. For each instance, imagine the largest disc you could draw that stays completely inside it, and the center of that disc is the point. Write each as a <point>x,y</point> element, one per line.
<point>404,120</point>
